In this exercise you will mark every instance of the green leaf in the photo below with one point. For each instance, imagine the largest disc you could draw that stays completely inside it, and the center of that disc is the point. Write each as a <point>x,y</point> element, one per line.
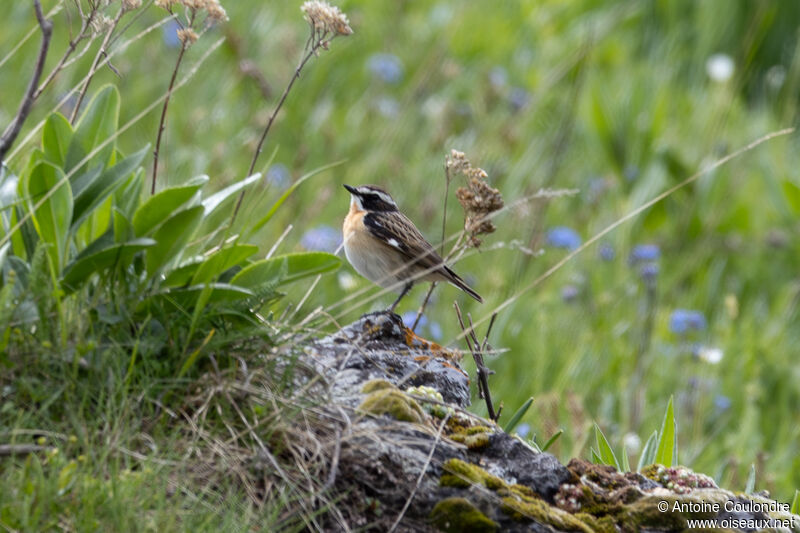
<point>222,260</point>
<point>606,453</point>
<point>518,415</point>
<point>186,297</point>
<point>667,448</point>
<point>56,138</point>
<point>171,238</point>
<point>596,459</point>
<point>97,124</point>
<point>750,485</point>
<point>102,254</point>
<point>215,200</point>
<point>626,464</point>
<point>127,197</point>
<point>66,477</point>
<point>792,194</point>
<point>51,219</point>
<point>266,218</point>
<point>796,503</point>
<point>286,269</point>
<point>163,205</point>
<point>648,456</point>
<point>123,229</point>
<point>95,192</point>
<point>552,440</point>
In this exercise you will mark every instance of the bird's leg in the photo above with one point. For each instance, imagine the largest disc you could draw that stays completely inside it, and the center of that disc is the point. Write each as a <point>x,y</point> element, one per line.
<point>402,293</point>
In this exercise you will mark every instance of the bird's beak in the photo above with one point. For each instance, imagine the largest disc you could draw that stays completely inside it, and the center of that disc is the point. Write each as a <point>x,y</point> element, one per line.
<point>351,190</point>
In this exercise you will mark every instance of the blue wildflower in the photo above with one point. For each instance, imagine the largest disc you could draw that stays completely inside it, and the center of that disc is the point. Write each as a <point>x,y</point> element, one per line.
<point>569,293</point>
<point>436,331</point>
<point>410,316</point>
<point>322,238</point>
<point>722,403</point>
<point>563,237</point>
<point>386,67</point>
<point>169,33</point>
<point>523,430</point>
<point>644,252</point>
<point>607,252</point>
<point>279,176</point>
<point>684,320</point>
<point>631,172</point>
<point>649,271</point>
<point>518,98</point>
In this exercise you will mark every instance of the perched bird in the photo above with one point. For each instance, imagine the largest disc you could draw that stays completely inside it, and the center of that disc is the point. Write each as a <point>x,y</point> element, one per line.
<point>384,246</point>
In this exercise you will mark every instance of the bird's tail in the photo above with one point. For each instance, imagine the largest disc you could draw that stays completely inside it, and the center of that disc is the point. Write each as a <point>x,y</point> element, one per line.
<point>456,280</point>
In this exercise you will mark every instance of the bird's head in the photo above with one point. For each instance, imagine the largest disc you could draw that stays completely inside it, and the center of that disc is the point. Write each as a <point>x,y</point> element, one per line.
<point>370,198</point>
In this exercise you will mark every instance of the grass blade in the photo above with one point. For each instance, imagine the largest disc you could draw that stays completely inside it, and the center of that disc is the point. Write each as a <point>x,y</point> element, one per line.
<point>750,485</point>
<point>648,456</point>
<point>552,439</point>
<point>666,451</point>
<point>518,415</point>
<point>606,453</point>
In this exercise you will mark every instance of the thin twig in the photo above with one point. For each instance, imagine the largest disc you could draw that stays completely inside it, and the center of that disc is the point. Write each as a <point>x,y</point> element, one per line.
<point>73,44</point>
<point>483,372</point>
<point>101,53</point>
<point>13,129</point>
<point>421,474</point>
<point>21,449</point>
<point>315,46</point>
<point>163,118</point>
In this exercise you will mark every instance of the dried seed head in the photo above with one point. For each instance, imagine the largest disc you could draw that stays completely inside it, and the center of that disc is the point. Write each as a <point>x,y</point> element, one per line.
<point>325,18</point>
<point>187,36</point>
<point>130,5</point>
<point>215,11</point>
<point>478,198</point>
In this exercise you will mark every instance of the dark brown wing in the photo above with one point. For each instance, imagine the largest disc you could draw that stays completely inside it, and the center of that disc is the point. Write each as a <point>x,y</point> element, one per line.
<point>396,230</point>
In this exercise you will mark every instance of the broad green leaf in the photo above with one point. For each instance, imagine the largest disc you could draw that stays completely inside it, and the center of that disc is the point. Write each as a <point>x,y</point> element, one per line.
<point>9,198</point>
<point>102,254</point>
<point>127,197</point>
<point>286,269</point>
<point>171,237</point>
<point>604,448</point>
<point>666,438</point>
<point>56,138</point>
<point>97,124</point>
<point>186,297</point>
<point>163,205</point>
<point>512,424</point>
<point>222,260</point>
<point>648,456</point>
<point>792,194</point>
<point>596,459</point>
<point>272,210</point>
<point>215,200</point>
<point>95,193</point>
<point>51,219</point>
<point>183,273</point>
<point>123,229</point>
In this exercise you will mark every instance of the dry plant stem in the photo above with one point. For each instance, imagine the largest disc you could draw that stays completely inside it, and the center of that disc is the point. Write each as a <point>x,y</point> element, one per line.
<point>13,129</point>
<point>162,120</point>
<point>101,53</point>
<point>71,47</point>
<point>316,45</point>
<point>483,372</point>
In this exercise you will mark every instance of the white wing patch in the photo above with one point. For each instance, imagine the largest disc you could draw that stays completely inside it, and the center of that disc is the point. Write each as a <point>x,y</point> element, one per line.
<point>394,243</point>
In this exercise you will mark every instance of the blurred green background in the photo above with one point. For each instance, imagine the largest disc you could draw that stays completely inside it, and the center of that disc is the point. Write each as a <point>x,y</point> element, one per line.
<point>696,298</point>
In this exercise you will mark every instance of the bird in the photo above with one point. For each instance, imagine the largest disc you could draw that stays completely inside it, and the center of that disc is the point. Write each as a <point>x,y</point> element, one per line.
<point>385,246</point>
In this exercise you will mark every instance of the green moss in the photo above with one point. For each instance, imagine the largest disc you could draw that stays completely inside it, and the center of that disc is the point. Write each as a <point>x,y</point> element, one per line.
<point>605,524</point>
<point>458,514</point>
<point>458,473</point>
<point>394,403</point>
<point>478,429</point>
<point>477,441</point>
<point>535,509</point>
<point>376,384</point>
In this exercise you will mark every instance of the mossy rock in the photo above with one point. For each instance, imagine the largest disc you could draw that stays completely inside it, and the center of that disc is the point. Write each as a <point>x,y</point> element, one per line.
<point>375,385</point>
<point>393,402</point>
<point>458,514</point>
<point>458,473</point>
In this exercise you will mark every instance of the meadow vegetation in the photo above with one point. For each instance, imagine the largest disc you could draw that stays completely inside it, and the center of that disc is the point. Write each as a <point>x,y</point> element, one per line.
<point>126,316</point>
